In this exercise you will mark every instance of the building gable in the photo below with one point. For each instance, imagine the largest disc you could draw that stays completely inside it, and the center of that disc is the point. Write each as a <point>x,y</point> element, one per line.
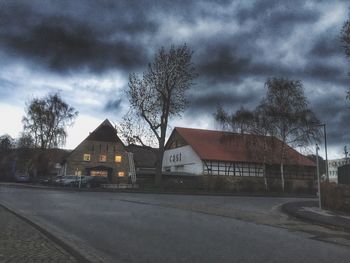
<point>105,132</point>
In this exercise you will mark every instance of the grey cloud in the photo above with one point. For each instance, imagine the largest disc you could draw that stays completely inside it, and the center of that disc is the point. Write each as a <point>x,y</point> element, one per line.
<point>326,72</point>
<point>69,36</point>
<point>7,89</point>
<point>113,105</point>
<point>327,45</point>
<point>277,16</point>
<point>66,43</point>
<point>336,115</point>
<point>222,62</point>
<point>230,97</point>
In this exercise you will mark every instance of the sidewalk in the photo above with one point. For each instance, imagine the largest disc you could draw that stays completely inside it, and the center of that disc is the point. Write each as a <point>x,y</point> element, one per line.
<point>22,242</point>
<point>309,211</point>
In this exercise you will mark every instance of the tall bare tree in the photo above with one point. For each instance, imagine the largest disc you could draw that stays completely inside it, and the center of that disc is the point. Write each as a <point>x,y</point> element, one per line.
<point>158,95</point>
<point>25,141</point>
<point>289,116</point>
<point>345,39</point>
<point>241,121</point>
<point>46,121</point>
<point>6,143</point>
<point>254,122</point>
<point>283,113</point>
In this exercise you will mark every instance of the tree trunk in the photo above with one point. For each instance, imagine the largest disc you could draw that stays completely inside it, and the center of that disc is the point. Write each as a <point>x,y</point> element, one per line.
<point>282,164</point>
<point>264,172</point>
<point>282,176</point>
<point>158,172</point>
<point>264,164</point>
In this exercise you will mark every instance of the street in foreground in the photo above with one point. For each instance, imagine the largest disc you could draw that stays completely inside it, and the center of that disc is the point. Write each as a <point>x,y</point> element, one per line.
<point>123,227</point>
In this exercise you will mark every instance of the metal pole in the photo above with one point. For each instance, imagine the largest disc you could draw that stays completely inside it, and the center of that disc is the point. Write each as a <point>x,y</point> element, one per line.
<point>318,179</point>
<point>325,148</point>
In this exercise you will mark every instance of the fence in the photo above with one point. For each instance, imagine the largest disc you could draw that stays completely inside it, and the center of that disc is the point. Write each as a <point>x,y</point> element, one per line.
<point>227,183</point>
<point>335,197</point>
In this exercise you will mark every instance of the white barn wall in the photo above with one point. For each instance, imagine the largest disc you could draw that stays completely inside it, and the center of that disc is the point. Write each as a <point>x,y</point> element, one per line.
<point>182,159</point>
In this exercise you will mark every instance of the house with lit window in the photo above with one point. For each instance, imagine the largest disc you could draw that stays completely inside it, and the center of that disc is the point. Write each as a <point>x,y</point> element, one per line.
<point>102,153</point>
<point>216,153</point>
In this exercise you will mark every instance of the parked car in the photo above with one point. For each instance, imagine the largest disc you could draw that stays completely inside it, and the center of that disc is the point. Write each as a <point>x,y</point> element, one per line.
<point>93,181</point>
<point>69,180</point>
<point>57,180</point>
<point>22,178</point>
<point>45,180</point>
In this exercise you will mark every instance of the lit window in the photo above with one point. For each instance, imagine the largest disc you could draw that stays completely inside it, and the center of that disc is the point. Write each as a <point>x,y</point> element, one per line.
<point>118,158</point>
<point>121,174</point>
<point>103,158</point>
<point>99,173</point>
<point>86,157</point>
<point>77,172</point>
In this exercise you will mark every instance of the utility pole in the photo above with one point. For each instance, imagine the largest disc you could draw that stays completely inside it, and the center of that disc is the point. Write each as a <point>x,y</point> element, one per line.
<point>346,151</point>
<point>346,154</point>
<point>318,179</point>
<point>325,147</point>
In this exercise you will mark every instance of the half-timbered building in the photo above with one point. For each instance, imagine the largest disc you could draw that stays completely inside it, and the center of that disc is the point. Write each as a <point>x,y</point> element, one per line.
<point>206,152</point>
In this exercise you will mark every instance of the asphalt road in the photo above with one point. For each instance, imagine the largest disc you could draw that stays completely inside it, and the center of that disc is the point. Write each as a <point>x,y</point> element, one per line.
<point>120,227</point>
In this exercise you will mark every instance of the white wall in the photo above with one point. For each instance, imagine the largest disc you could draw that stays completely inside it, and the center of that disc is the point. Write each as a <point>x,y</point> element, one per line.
<point>182,159</point>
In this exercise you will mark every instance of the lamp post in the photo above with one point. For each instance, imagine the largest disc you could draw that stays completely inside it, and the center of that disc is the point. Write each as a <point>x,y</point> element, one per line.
<point>325,147</point>
<point>318,178</point>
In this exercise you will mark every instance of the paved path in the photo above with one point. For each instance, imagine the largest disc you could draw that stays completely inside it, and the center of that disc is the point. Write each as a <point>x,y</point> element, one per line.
<point>114,227</point>
<point>309,211</point>
<point>21,242</point>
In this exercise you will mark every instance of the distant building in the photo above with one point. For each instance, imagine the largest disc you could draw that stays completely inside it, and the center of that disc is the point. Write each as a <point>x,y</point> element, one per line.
<point>102,153</point>
<point>333,166</point>
<point>344,174</point>
<point>144,158</point>
<point>205,152</point>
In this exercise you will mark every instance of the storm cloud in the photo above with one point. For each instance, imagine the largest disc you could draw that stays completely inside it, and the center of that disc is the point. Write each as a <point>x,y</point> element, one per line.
<point>86,49</point>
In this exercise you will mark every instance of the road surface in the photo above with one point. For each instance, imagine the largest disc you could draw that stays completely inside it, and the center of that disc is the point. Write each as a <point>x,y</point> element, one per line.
<point>124,227</point>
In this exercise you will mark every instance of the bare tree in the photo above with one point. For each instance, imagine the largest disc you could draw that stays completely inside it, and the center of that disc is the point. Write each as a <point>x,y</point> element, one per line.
<point>6,143</point>
<point>345,39</point>
<point>157,96</point>
<point>255,122</point>
<point>283,113</point>
<point>289,116</point>
<point>46,121</point>
<point>25,141</point>
<point>241,121</point>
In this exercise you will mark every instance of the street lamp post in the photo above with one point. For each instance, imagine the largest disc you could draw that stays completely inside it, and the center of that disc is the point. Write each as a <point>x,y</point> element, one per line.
<point>318,179</point>
<point>325,147</point>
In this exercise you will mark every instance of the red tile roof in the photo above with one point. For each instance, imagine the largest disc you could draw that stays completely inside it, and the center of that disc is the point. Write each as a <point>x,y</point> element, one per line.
<point>226,146</point>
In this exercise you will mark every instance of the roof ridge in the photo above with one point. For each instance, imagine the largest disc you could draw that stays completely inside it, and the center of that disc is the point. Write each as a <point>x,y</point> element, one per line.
<point>225,132</point>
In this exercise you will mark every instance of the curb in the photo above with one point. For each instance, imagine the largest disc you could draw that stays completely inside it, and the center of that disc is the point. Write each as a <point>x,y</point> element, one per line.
<point>73,252</point>
<point>336,222</point>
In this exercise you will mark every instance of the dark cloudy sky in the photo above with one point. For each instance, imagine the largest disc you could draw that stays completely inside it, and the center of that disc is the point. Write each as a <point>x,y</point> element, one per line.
<point>86,49</point>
